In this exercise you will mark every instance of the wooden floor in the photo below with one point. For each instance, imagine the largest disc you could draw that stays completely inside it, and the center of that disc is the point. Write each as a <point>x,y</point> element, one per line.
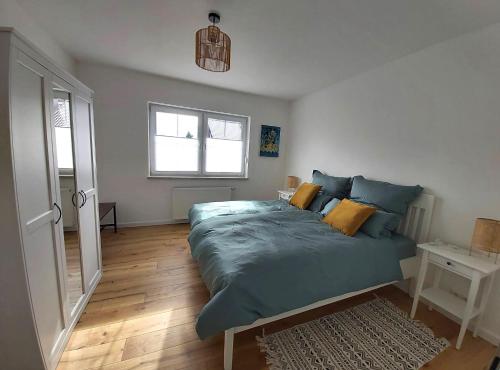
<point>143,312</point>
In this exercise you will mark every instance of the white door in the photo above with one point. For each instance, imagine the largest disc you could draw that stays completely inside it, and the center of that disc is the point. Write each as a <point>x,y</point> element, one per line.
<point>88,213</point>
<point>38,212</point>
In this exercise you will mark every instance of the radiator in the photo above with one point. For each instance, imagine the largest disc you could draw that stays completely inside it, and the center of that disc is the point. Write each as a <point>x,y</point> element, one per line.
<point>184,198</point>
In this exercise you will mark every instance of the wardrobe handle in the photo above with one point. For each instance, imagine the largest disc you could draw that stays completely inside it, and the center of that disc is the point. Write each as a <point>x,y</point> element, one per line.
<point>60,213</point>
<point>85,194</point>
<point>73,199</point>
<point>83,198</point>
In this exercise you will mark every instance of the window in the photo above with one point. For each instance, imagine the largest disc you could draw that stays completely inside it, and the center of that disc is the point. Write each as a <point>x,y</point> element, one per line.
<point>62,123</point>
<point>193,143</point>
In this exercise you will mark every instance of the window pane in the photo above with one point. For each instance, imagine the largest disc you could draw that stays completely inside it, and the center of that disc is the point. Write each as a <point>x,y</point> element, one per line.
<point>216,128</point>
<point>176,154</point>
<point>64,149</point>
<point>61,113</point>
<point>188,126</point>
<point>233,130</point>
<point>223,156</point>
<point>166,124</point>
<point>228,130</point>
<point>176,125</point>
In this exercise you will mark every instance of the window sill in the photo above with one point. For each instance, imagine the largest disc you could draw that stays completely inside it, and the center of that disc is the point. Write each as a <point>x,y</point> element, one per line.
<point>198,177</point>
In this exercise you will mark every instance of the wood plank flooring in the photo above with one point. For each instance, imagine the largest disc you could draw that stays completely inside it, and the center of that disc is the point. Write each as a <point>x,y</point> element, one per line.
<point>143,312</point>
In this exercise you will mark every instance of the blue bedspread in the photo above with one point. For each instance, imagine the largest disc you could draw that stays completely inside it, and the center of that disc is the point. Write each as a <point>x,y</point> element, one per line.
<point>264,263</point>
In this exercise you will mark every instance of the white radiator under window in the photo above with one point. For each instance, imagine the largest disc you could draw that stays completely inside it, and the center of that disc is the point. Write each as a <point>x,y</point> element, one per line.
<point>184,198</point>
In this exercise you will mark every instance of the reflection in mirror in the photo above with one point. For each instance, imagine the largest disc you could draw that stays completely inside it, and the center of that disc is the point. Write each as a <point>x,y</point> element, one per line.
<point>69,197</point>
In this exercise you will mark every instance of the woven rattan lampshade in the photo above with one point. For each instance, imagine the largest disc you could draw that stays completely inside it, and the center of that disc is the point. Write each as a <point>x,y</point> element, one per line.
<point>292,182</point>
<point>213,47</point>
<point>486,235</point>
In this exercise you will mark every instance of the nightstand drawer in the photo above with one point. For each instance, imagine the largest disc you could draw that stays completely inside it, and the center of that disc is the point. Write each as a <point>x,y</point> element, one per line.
<point>451,265</point>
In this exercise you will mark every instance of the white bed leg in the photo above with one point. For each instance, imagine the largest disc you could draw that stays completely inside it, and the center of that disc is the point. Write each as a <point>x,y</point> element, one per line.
<point>228,349</point>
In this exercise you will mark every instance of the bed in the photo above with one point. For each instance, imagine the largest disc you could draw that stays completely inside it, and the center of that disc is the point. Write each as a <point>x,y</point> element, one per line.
<point>266,260</point>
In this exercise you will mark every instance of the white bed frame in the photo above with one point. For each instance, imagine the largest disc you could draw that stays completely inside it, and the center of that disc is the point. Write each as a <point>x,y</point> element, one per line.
<point>415,225</point>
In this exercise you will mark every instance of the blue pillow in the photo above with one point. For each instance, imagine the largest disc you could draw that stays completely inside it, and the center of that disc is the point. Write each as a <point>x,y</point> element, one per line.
<point>337,187</point>
<point>329,206</point>
<point>389,197</point>
<point>319,202</point>
<point>381,224</point>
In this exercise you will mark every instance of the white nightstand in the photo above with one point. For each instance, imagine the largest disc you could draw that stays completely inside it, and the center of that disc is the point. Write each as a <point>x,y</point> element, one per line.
<point>285,194</point>
<point>456,260</point>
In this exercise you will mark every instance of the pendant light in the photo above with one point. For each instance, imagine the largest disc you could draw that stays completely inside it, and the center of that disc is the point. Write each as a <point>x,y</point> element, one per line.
<point>213,47</point>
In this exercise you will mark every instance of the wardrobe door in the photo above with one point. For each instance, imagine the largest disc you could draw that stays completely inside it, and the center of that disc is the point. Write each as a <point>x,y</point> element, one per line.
<point>88,211</point>
<point>39,214</point>
<point>66,193</point>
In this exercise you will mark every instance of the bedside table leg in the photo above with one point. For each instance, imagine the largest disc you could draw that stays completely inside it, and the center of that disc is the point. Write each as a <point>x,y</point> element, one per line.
<point>437,281</point>
<point>420,282</point>
<point>484,301</point>
<point>471,299</point>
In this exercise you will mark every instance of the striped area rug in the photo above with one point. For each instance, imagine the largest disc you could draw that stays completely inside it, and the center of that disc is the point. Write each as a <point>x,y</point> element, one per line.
<point>372,335</point>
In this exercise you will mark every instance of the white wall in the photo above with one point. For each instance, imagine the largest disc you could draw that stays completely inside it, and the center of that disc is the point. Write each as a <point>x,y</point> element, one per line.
<point>431,118</point>
<point>121,131</point>
<point>13,15</point>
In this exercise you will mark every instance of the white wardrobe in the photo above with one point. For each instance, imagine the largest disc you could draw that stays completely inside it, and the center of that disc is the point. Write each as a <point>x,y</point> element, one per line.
<point>50,256</point>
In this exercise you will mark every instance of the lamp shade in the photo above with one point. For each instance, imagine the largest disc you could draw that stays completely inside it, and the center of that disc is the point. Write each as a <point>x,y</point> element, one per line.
<point>213,49</point>
<point>292,182</point>
<point>486,235</point>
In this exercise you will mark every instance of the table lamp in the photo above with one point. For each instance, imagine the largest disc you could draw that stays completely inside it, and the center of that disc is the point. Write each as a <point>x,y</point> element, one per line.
<point>486,236</point>
<point>292,182</point>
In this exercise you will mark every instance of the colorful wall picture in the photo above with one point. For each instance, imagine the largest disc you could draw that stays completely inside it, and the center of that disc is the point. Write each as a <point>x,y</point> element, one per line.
<point>270,141</point>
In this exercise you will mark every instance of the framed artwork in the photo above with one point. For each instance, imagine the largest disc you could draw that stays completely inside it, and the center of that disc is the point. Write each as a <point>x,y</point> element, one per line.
<point>270,141</point>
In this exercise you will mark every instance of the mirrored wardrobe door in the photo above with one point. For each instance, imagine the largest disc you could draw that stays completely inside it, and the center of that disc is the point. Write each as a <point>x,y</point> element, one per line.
<point>62,121</point>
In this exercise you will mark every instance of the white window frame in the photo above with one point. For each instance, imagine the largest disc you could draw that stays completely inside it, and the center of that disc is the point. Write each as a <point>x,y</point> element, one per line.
<point>203,115</point>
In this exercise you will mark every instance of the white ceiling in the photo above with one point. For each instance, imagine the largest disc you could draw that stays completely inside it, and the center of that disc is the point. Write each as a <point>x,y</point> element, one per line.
<point>282,48</point>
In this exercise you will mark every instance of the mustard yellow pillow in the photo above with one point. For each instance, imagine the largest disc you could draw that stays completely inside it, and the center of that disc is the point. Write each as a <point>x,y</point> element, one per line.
<point>348,216</point>
<point>304,195</point>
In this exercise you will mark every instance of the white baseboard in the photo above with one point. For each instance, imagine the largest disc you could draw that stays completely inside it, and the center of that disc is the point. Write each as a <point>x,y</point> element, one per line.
<point>151,223</point>
<point>488,335</point>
